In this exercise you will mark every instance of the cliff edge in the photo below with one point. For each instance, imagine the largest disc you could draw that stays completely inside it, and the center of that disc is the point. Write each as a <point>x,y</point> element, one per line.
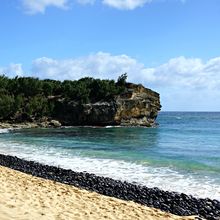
<point>137,106</point>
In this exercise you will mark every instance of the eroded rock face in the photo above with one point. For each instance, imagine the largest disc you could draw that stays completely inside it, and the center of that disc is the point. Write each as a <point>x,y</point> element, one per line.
<point>138,106</point>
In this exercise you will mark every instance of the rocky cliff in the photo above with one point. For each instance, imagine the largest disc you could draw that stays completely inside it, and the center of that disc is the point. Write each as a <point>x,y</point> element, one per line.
<point>138,106</point>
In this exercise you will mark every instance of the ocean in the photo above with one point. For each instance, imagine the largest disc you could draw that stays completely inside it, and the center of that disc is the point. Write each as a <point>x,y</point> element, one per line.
<point>182,154</point>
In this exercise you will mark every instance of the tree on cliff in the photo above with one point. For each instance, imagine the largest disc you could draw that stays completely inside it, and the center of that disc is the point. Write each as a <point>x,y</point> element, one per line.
<point>6,105</point>
<point>122,80</point>
<point>32,96</point>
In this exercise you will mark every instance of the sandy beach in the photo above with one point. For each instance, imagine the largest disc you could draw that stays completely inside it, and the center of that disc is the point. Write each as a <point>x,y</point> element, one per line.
<point>23,197</point>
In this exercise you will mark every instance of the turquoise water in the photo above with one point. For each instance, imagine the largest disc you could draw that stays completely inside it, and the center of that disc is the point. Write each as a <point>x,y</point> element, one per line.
<point>182,154</point>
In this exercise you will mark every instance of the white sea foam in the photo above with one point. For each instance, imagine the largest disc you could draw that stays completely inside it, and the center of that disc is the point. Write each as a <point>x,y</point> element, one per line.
<point>113,126</point>
<point>179,118</point>
<point>4,130</point>
<point>161,177</point>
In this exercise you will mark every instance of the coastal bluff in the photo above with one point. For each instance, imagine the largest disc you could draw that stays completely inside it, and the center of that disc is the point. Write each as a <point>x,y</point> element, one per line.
<point>137,106</point>
<point>84,102</point>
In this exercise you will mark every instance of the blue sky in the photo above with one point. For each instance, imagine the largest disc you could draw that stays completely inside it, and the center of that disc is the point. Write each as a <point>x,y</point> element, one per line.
<point>171,46</point>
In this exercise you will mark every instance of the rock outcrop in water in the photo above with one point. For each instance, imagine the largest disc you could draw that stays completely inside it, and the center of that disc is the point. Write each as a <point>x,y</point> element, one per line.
<point>138,106</point>
<point>87,101</point>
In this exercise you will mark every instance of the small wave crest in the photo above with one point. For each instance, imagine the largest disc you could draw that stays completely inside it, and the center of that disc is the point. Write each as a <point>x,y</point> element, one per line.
<point>178,118</point>
<point>113,126</point>
<point>4,130</point>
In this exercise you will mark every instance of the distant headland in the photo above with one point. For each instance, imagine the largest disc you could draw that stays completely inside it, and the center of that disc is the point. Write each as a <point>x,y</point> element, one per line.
<point>88,101</point>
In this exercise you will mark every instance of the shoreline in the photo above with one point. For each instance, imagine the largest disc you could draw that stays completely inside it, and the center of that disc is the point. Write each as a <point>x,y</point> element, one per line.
<point>24,125</point>
<point>56,124</point>
<point>37,198</point>
<point>172,202</point>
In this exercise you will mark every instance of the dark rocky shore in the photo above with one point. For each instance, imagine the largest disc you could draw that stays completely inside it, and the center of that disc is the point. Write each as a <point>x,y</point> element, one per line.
<point>176,203</point>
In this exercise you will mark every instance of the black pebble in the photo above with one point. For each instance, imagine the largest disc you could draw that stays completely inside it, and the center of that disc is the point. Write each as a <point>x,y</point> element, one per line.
<point>176,203</point>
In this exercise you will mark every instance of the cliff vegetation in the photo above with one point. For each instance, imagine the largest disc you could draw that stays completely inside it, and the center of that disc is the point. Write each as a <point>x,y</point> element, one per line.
<point>87,101</point>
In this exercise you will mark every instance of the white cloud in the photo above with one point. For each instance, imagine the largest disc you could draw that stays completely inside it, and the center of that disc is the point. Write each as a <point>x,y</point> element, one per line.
<point>125,4</point>
<point>100,65</point>
<point>12,70</point>
<point>39,6</point>
<point>177,72</point>
<point>185,72</point>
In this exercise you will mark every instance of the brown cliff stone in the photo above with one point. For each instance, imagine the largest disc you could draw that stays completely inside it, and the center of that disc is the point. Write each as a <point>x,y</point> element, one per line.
<point>138,106</point>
